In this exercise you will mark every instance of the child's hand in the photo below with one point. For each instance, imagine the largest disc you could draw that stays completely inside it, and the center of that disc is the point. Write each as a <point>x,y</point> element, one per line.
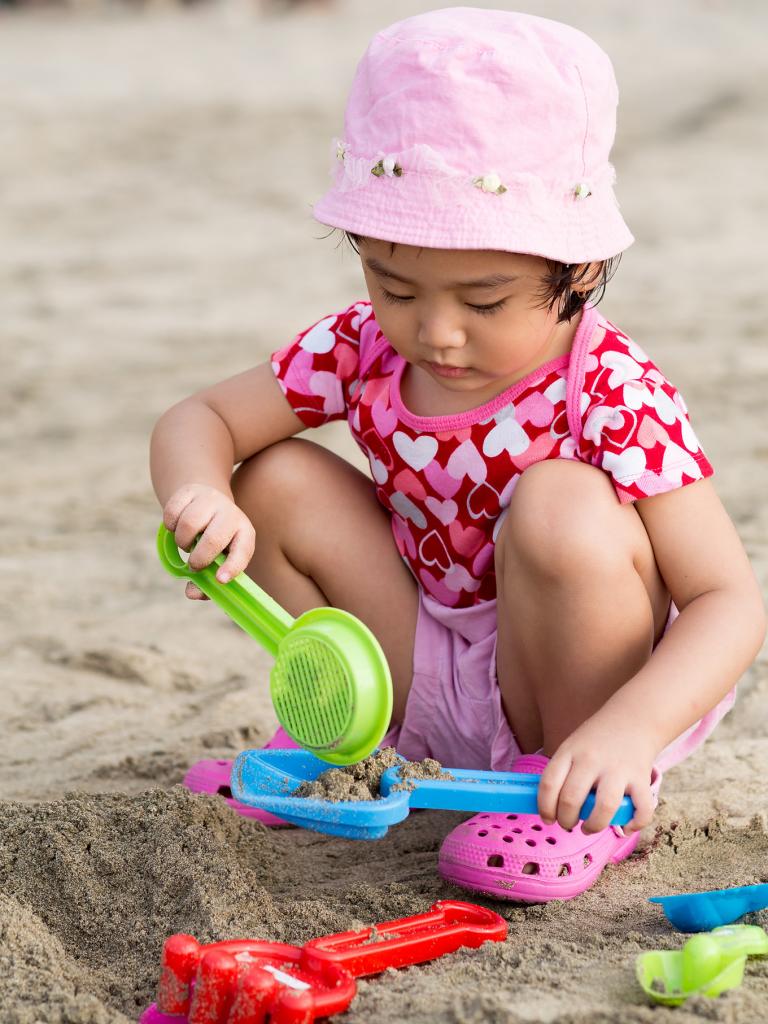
<point>197,509</point>
<point>613,759</point>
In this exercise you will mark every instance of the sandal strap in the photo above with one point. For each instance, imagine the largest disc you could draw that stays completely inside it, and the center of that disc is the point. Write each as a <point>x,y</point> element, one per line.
<point>530,764</point>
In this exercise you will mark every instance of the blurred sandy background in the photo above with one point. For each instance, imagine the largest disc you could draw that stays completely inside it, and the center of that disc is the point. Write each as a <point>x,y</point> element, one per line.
<point>158,165</point>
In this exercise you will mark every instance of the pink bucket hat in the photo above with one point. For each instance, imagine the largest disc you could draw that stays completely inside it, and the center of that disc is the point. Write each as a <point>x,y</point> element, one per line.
<point>479,129</point>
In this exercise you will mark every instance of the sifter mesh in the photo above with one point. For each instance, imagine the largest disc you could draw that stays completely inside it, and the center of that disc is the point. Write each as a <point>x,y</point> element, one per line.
<point>311,691</point>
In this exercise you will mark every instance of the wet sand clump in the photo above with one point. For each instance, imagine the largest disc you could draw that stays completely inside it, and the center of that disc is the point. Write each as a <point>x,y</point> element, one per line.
<point>361,781</point>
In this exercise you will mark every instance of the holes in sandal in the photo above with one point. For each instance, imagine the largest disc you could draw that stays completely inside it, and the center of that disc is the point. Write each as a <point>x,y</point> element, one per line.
<point>530,842</point>
<point>508,839</point>
<point>517,830</point>
<point>536,828</point>
<point>495,861</point>
<point>550,840</point>
<point>587,860</point>
<point>483,832</point>
<point>512,817</point>
<point>565,869</point>
<point>531,868</point>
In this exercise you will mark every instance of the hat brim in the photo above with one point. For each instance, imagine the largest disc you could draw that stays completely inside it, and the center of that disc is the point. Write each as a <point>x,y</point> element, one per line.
<point>561,228</point>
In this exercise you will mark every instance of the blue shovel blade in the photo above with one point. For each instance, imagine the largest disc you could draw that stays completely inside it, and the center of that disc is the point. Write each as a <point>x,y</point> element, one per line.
<point>268,779</point>
<point>703,911</point>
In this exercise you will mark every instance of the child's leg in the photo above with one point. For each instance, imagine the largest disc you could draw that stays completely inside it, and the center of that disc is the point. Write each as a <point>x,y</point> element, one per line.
<point>579,605</point>
<point>322,538</point>
<point>580,600</point>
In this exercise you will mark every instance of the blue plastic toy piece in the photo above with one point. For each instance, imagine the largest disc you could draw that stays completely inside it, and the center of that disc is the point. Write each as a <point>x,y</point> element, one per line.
<point>703,911</point>
<point>268,778</point>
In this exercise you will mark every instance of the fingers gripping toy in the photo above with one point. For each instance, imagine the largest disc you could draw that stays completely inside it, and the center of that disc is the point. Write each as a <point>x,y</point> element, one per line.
<point>247,982</point>
<point>330,685</point>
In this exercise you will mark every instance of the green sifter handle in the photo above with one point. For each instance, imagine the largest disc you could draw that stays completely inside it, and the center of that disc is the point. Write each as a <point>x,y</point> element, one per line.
<point>243,601</point>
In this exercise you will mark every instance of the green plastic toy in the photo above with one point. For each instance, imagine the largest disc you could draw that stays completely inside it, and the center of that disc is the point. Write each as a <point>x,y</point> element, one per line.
<point>709,964</point>
<point>330,684</point>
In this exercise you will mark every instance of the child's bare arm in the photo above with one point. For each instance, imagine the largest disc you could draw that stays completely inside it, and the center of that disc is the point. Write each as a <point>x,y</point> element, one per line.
<point>717,635</point>
<point>193,450</point>
<point>722,619</point>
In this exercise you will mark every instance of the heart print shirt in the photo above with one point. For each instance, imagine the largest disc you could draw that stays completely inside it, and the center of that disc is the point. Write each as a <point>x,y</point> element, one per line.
<point>447,480</point>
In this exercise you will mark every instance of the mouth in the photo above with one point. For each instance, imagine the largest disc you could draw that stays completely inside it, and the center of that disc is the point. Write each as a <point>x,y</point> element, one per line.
<point>449,371</point>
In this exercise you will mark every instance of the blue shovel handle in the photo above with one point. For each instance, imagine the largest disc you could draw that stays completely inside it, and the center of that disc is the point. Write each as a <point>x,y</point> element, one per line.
<point>497,792</point>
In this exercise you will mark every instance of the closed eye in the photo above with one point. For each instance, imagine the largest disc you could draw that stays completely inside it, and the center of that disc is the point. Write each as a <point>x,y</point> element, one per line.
<point>483,310</point>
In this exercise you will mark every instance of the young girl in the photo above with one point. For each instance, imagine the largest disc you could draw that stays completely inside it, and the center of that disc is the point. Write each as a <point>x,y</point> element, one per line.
<point>552,577</point>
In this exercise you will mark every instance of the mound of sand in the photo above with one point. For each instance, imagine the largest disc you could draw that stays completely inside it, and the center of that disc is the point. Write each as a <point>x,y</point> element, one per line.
<point>94,884</point>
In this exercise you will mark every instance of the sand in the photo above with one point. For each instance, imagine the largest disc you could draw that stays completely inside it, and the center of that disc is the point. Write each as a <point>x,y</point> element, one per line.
<point>361,781</point>
<point>158,168</point>
<point>358,781</point>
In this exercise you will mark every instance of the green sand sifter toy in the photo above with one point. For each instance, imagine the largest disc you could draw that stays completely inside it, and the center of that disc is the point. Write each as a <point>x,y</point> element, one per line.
<point>709,964</point>
<point>330,684</point>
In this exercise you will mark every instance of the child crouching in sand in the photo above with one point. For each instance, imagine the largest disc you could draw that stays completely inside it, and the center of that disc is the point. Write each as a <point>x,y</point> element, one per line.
<point>539,549</point>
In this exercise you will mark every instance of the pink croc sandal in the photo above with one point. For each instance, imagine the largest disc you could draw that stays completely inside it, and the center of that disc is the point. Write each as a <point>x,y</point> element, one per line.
<point>213,777</point>
<point>517,857</point>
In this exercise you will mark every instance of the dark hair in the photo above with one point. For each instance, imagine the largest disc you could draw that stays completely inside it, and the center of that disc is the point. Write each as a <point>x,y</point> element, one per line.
<point>561,283</point>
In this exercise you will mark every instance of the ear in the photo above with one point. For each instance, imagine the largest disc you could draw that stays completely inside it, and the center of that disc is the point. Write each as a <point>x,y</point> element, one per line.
<point>587,276</point>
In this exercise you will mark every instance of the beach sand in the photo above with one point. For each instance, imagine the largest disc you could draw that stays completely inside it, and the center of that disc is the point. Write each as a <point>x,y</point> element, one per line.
<point>158,169</point>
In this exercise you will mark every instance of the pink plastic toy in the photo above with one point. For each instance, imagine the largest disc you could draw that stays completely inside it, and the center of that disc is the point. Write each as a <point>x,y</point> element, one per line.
<point>213,777</point>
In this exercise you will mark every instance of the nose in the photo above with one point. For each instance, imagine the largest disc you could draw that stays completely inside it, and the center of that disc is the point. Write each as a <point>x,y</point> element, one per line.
<point>440,332</point>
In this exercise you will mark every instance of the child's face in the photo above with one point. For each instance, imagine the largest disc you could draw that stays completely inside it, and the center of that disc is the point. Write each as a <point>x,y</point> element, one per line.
<point>482,338</point>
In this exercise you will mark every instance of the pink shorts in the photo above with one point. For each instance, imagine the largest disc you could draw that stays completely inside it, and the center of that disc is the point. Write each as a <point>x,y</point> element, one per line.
<point>454,710</point>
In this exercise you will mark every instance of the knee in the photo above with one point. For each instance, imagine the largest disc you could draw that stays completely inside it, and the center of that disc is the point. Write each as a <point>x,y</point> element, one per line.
<point>280,473</point>
<point>564,519</point>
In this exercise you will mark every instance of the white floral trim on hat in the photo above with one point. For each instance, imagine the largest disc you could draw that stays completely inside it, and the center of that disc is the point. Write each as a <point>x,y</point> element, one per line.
<point>389,166</point>
<point>490,182</point>
<point>351,171</point>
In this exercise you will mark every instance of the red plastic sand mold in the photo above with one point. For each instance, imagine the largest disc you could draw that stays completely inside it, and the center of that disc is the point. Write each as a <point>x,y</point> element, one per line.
<point>245,981</point>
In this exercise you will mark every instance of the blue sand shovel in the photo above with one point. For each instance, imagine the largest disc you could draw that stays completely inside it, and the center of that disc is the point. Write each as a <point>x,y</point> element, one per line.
<point>701,911</point>
<point>268,779</point>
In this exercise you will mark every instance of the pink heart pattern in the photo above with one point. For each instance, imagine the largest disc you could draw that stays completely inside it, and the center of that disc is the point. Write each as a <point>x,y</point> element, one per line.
<point>328,386</point>
<point>446,511</point>
<point>442,482</point>
<point>482,560</point>
<point>447,490</point>
<point>384,418</point>
<point>535,452</point>
<point>535,408</point>
<point>465,539</point>
<point>437,588</point>
<point>432,551</point>
<point>407,482</point>
<point>406,545</point>
<point>651,433</point>
<point>466,460</point>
